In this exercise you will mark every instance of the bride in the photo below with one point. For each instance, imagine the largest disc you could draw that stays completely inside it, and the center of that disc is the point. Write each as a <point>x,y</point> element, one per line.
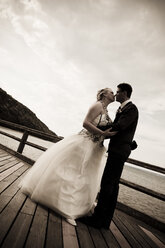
<point>66,178</point>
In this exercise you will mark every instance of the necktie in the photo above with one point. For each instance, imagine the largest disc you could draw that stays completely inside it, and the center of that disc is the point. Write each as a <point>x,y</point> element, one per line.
<point>118,110</point>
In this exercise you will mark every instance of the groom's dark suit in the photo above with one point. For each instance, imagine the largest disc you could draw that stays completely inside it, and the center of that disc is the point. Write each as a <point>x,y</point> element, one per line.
<point>118,151</point>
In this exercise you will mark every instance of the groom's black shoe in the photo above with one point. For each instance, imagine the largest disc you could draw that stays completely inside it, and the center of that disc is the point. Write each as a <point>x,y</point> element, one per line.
<point>92,221</point>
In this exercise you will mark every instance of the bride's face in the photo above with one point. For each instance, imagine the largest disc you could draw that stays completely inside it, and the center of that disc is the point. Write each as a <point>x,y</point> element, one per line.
<point>110,95</point>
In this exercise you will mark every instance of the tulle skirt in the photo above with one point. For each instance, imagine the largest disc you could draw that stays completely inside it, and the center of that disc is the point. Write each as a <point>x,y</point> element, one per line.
<point>66,178</point>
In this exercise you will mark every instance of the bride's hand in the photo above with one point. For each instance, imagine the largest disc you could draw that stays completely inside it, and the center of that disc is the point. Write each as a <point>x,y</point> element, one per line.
<point>108,133</point>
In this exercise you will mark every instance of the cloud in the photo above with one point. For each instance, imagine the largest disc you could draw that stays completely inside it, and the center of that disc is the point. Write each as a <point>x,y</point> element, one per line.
<point>32,5</point>
<point>59,53</point>
<point>6,59</point>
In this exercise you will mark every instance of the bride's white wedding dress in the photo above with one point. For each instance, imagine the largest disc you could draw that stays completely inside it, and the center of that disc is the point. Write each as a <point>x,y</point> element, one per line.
<point>66,178</point>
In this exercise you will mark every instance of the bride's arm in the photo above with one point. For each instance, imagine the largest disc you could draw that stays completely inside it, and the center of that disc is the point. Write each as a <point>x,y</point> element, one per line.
<point>93,112</point>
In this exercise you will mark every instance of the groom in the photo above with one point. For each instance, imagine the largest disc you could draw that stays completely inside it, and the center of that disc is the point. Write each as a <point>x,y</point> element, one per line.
<point>118,151</point>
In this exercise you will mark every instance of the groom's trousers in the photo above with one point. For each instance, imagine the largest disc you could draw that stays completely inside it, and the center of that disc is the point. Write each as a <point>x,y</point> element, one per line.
<point>109,189</point>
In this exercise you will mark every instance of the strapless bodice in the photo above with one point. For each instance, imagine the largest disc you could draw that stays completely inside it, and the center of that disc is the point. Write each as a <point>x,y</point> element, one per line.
<point>100,120</point>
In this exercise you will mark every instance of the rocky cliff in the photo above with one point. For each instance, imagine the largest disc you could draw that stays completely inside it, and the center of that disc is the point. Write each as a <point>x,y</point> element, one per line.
<point>14,111</point>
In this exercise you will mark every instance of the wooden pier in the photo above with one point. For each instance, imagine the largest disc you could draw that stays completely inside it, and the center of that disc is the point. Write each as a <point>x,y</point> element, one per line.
<point>24,223</point>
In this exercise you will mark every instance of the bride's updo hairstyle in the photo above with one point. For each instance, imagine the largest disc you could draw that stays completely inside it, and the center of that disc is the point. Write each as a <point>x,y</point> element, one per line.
<point>101,93</point>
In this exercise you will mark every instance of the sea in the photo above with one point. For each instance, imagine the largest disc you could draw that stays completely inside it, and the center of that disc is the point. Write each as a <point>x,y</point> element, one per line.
<point>130,197</point>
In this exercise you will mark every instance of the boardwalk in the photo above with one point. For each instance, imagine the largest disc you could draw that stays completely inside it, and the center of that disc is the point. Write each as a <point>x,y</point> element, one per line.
<point>26,224</point>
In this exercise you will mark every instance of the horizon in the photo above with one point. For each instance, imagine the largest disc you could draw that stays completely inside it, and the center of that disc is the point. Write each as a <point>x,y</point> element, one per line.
<point>55,56</point>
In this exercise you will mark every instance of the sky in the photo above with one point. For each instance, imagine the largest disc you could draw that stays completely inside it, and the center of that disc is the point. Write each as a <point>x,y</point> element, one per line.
<point>56,54</point>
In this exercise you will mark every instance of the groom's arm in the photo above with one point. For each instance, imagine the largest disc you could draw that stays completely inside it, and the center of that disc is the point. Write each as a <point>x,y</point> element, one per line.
<point>103,128</point>
<point>128,117</point>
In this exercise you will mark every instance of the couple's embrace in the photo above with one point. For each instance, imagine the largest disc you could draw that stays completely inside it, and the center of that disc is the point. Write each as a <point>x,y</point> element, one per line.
<point>69,175</point>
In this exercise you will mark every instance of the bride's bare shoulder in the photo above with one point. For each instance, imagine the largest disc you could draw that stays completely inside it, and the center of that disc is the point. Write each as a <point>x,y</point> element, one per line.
<point>96,105</point>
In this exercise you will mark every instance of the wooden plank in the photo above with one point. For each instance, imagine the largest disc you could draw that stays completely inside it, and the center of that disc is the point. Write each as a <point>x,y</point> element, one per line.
<point>9,214</point>
<point>10,170</point>
<point>147,238</point>
<point>54,232</point>
<point>132,226</point>
<point>126,232</point>
<point>4,157</point>
<point>144,239</point>
<point>119,236</point>
<point>19,231</point>
<point>18,155</point>
<point>2,153</point>
<point>8,165</point>
<point>11,178</point>
<point>83,235</point>
<point>160,235</point>
<point>157,233</point>
<point>97,238</point>
<point>69,235</point>
<point>141,216</point>
<point>38,229</point>
<point>154,238</point>
<point>28,207</point>
<point>13,187</point>
<point>8,194</point>
<point>110,239</point>
<point>7,160</point>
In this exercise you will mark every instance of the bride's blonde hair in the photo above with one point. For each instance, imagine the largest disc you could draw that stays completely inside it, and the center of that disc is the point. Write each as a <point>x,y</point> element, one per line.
<point>101,93</point>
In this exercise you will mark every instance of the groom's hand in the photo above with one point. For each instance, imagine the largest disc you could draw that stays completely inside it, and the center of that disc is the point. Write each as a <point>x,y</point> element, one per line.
<point>108,133</point>
<point>104,128</point>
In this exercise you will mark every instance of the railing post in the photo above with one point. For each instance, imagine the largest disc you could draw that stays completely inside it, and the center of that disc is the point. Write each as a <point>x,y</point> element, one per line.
<point>22,143</point>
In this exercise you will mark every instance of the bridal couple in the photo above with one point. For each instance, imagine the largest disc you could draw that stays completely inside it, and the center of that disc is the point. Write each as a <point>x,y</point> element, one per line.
<point>69,175</point>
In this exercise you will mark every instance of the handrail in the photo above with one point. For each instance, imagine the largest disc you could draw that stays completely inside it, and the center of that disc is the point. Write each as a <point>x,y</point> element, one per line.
<point>146,165</point>
<point>54,138</point>
<point>143,189</point>
<point>31,131</point>
<point>10,135</point>
<point>27,131</point>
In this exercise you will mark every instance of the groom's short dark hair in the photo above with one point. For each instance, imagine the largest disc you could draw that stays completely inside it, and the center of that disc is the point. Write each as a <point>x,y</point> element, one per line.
<point>126,87</point>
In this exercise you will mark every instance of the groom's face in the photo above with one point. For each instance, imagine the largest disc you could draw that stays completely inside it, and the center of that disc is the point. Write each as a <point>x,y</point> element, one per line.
<point>120,95</point>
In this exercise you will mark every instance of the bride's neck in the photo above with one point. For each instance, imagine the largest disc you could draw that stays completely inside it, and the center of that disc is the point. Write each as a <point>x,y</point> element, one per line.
<point>104,102</point>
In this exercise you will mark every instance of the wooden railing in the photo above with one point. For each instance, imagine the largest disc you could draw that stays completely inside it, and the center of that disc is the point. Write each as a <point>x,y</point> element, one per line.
<point>53,138</point>
<point>26,132</point>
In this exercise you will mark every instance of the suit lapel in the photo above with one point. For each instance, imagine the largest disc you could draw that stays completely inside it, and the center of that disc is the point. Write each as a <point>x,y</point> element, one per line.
<point>125,106</point>
<point>119,113</point>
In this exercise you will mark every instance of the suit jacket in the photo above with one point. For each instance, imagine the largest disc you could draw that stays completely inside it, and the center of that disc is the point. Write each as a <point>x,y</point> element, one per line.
<point>125,123</point>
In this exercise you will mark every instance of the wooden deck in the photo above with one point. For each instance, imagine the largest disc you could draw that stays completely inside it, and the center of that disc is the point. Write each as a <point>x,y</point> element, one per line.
<point>24,223</point>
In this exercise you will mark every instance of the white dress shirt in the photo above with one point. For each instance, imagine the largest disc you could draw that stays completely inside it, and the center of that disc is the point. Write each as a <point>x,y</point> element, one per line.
<point>124,103</point>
